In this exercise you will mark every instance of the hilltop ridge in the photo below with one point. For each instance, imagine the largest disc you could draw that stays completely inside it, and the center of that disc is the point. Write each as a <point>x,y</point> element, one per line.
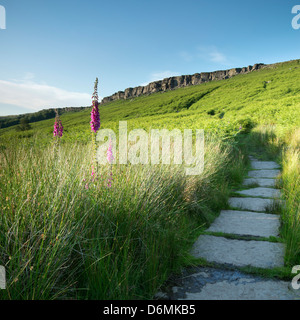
<point>179,82</point>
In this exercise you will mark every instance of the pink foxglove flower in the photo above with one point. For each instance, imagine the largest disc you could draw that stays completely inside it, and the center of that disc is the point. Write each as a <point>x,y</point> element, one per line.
<point>109,155</point>
<point>58,128</point>
<point>95,116</point>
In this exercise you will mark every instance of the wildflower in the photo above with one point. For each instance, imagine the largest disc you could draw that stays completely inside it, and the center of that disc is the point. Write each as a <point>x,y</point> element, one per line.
<point>109,155</point>
<point>95,117</point>
<point>93,174</point>
<point>240,128</point>
<point>58,127</point>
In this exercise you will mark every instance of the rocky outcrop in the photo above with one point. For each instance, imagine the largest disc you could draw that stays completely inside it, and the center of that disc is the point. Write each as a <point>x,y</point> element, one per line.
<point>180,81</point>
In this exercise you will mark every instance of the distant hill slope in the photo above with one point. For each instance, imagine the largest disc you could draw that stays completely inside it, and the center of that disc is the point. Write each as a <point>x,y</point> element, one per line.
<point>270,95</point>
<point>45,114</point>
<point>179,82</point>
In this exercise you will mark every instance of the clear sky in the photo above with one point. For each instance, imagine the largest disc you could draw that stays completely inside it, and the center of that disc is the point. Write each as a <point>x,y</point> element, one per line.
<point>52,51</point>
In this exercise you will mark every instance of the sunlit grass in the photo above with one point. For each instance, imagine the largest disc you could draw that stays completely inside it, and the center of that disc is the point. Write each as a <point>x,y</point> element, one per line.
<point>64,236</point>
<point>270,142</point>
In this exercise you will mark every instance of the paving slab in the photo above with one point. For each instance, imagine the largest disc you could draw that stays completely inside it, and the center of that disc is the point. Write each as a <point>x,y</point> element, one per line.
<point>263,173</point>
<point>239,253</point>
<point>243,289</point>
<point>206,283</point>
<point>246,223</point>
<point>260,181</point>
<point>261,192</point>
<point>264,165</point>
<point>252,204</point>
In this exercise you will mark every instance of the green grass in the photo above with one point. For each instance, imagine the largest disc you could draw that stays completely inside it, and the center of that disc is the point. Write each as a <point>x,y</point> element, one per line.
<point>291,188</point>
<point>60,240</point>
<point>243,100</point>
<point>284,148</point>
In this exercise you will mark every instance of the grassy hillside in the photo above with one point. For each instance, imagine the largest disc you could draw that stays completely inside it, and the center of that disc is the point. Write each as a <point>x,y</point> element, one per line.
<point>268,96</point>
<point>70,231</point>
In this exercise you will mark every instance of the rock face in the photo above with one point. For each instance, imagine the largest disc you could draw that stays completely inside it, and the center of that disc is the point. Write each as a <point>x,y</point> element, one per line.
<point>180,81</point>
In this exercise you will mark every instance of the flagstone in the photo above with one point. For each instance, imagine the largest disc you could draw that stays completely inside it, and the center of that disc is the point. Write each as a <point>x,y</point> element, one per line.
<point>260,181</point>
<point>246,223</point>
<point>261,192</point>
<point>252,204</point>
<point>239,253</point>
<point>263,173</point>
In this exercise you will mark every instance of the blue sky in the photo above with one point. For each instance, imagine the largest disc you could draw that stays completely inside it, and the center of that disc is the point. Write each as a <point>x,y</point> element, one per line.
<point>52,51</point>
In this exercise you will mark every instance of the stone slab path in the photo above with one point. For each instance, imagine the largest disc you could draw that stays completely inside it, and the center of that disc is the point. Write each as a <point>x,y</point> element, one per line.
<point>252,204</point>
<point>261,192</point>
<point>264,173</point>
<point>260,181</point>
<point>246,223</point>
<point>239,253</point>
<point>220,284</point>
<point>237,238</point>
<point>259,165</point>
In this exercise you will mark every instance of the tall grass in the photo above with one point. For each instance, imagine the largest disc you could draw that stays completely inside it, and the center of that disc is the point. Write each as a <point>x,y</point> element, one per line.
<point>65,236</point>
<point>291,189</point>
<point>277,143</point>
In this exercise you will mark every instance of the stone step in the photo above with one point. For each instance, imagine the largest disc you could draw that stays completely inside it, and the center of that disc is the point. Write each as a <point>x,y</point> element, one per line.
<point>243,290</point>
<point>246,223</point>
<point>261,192</point>
<point>252,204</point>
<point>260,181</point>
<point>216,284</point>
<point>239,253</point>
<point>264,165</point>
<point>263,173</point>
